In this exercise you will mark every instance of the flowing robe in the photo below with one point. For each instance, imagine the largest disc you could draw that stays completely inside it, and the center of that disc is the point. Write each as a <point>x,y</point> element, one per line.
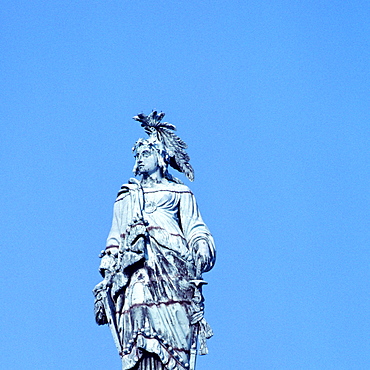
<point>153,243</point>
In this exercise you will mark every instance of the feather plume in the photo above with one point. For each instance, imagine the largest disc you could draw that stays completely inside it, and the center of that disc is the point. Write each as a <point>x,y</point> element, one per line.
<point>174,146</point>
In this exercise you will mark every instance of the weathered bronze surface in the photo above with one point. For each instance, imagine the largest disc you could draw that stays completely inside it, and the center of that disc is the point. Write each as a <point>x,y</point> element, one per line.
<point>157,249</point>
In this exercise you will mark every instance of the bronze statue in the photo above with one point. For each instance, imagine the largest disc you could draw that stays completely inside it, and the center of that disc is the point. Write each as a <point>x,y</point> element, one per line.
<point>156,252</point>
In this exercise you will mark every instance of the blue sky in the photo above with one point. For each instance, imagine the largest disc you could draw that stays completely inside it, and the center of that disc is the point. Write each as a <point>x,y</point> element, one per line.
<point>272,98</point>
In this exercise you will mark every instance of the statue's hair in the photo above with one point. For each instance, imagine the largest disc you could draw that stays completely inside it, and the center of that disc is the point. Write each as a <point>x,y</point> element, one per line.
<point>162,132</point>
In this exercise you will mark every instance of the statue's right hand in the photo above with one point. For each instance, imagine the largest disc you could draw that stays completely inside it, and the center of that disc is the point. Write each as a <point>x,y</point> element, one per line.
<point>99,310</point>
<point>104,285</point>
<point>99,287</point>
<point>107,264</point>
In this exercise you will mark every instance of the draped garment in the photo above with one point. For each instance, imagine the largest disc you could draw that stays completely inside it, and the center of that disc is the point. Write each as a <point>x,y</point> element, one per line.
<point>154,238</point>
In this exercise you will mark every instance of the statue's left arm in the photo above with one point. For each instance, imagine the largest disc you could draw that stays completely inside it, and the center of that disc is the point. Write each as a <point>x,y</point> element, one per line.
<point>197,234</point>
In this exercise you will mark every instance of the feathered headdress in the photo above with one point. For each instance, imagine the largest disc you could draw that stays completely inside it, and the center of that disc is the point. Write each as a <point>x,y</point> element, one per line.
<point>173,145</point>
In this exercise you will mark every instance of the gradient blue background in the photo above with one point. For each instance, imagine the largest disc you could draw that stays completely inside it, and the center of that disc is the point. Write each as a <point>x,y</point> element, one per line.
<point>272,98</point>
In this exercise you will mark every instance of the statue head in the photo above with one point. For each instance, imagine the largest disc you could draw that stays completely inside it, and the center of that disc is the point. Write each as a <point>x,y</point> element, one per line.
<point>150,156</point>
<point>168,147</point>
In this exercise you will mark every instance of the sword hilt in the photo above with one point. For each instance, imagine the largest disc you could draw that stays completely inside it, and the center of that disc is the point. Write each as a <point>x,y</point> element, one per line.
<point>198,282</point>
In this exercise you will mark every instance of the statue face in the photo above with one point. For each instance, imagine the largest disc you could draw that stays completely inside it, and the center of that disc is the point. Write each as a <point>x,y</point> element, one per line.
<point>146,160</point>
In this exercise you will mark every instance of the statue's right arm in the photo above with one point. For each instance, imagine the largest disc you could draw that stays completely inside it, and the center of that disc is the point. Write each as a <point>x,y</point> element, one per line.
<point>109,261</point>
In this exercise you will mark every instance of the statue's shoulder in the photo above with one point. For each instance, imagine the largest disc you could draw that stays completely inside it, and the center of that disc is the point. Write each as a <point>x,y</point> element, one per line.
<point>126,188</point>
<point>180,188</point>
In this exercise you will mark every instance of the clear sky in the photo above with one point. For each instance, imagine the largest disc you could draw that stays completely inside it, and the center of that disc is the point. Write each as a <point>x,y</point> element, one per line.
<point>273,100</point>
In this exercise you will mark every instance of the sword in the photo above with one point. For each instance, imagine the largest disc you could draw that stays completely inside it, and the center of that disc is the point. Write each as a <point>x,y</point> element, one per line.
<point>198,283</point>
<point>193,349</point>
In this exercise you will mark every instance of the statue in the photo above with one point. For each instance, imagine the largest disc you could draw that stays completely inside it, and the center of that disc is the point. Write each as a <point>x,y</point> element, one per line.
<point>157,249</point>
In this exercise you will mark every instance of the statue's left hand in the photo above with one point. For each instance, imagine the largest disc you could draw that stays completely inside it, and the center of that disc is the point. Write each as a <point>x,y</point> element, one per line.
<point>203,256</point>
